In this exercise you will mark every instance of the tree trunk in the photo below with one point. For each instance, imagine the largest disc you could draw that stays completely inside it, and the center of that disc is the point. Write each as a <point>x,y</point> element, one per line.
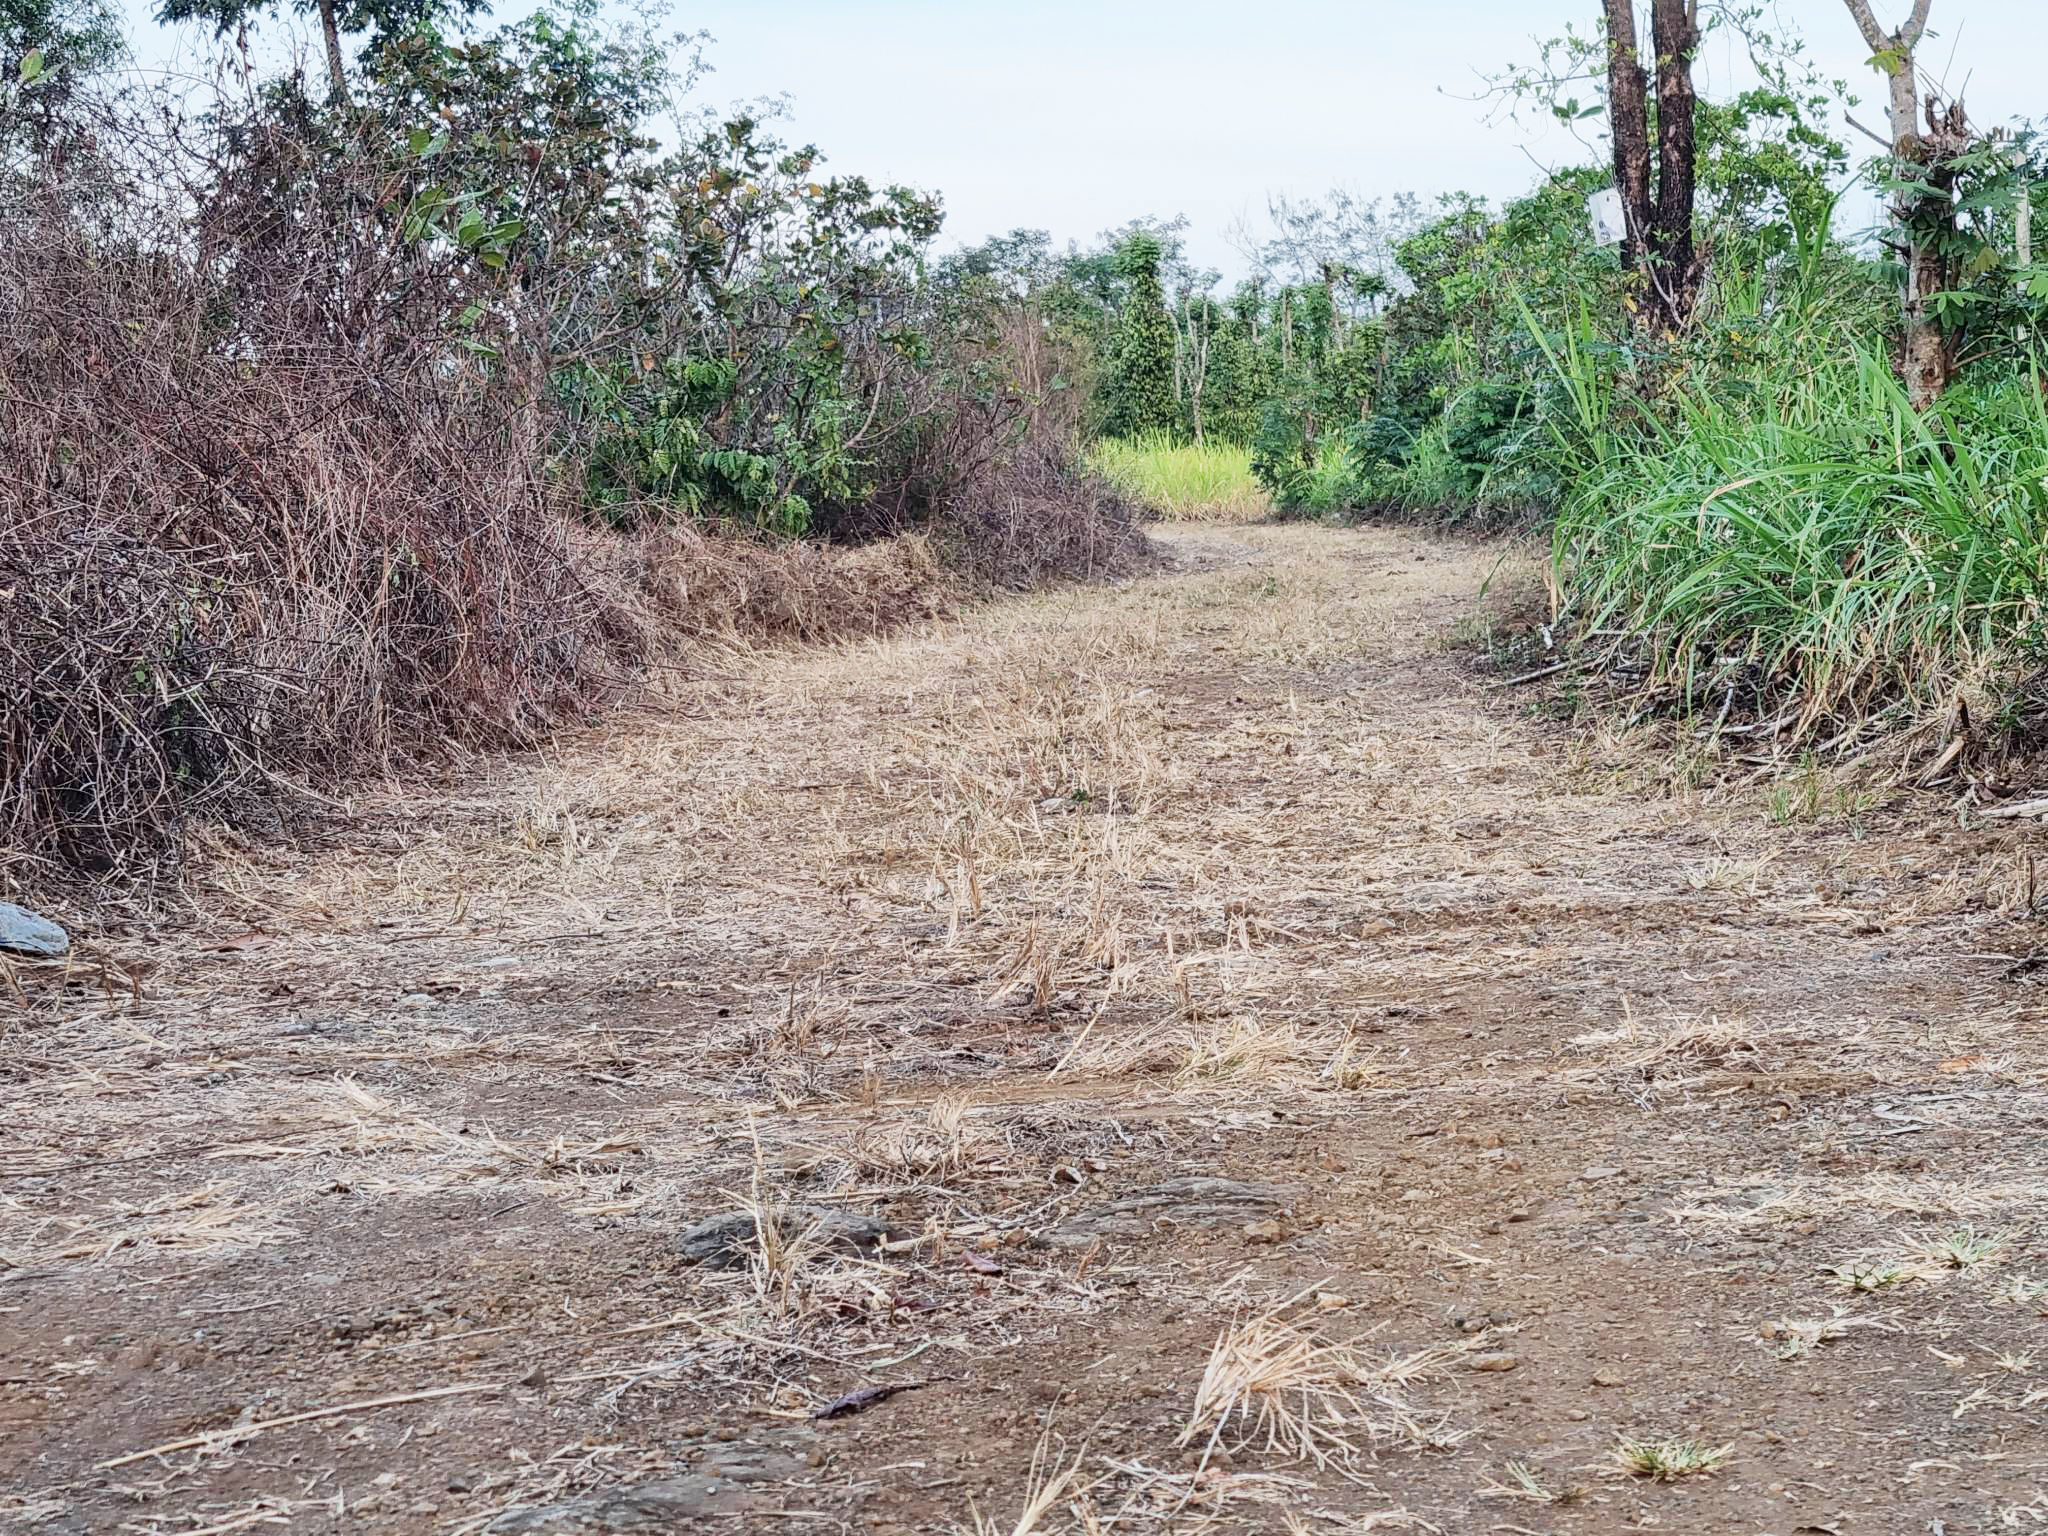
<point>1629,126</point>
<point>1657,237</point>
<point>330,34</point>
<point>1674,279</point>
<point>1925,362</point>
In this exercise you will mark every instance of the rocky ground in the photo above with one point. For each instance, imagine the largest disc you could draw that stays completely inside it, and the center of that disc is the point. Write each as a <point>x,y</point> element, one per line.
<point>1193,1055</point>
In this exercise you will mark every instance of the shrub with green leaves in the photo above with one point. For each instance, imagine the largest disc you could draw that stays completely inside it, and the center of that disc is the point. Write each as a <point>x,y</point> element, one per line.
<point>1137,378</point>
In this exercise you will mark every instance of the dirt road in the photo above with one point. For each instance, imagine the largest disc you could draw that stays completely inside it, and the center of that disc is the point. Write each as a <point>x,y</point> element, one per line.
<point>1237,1066</point>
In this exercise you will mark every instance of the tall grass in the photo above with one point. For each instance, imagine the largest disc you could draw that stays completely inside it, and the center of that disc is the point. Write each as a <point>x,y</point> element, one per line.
<point>1208,481</point>
<point>1789,536</point>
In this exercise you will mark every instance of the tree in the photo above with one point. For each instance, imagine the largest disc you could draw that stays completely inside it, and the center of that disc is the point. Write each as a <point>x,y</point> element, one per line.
<point>383,20</point>
<point>1657,219</point>
<point>49,49</point>
<point>1922,207</point>
<point>1138,386</point>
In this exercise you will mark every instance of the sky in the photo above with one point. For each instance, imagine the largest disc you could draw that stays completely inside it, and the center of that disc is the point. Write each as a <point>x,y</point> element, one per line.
<point>1075,117</point>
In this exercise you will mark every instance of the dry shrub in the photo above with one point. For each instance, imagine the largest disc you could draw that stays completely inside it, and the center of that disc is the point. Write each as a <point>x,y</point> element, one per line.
<point>227,570</point>
<point>994,474</point>
<point>289,501</point>
<point>682,583</point>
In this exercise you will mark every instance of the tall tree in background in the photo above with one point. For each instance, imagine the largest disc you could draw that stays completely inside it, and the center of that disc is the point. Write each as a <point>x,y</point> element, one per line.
<point>1138,383</point>
<point>1922,207</point>
<point>383,20</point>
<point>1656,215</point>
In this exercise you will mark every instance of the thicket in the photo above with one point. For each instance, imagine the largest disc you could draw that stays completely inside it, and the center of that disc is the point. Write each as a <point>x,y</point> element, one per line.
<point>1797,474</point>
<point>437,401</point>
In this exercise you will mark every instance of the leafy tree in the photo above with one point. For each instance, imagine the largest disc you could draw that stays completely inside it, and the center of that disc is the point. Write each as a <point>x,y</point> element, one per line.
<point>1137,383</point>
<point>55,43</point>
<point>382,21</point>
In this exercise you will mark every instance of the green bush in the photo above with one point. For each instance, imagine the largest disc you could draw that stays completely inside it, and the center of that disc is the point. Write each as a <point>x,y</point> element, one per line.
<point>1811,543</point>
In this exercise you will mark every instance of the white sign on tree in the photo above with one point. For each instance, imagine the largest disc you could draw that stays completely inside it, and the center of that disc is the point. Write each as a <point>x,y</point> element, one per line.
<point>1603,212</point>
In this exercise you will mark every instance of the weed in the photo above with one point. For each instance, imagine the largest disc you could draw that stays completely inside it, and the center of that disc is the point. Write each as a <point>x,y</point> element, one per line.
<point>1808,794</point>
<point>1871,1274</point>
<point>1964,1248</point>
<point>1665,1461</point>
<point>1522,1482</point>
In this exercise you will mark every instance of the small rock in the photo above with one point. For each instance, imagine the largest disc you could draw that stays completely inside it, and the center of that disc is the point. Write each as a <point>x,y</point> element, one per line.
<point>723,1241</point>
<point>1595,1174</point>
<point>26,933</point>
<point>1494,1362</point>
<point>1607,1378</point>
<point>1263,1232</point>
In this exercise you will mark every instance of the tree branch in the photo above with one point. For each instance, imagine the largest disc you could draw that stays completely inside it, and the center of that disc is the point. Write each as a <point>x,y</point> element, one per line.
<point>1873,34</point>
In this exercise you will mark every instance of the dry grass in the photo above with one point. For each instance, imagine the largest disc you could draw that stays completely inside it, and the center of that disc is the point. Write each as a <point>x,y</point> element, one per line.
<point>197,1221</point>
<point>984,927</point>
<point>1274,1384</point>
<point>1052,1480</point>
<point>1666,1461</point>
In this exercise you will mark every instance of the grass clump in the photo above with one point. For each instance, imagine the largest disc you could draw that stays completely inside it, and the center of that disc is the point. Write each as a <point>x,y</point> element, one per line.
<point>1804,543</point>
<point>1964,1248</point>
<point>1209,481</point>
<point>1666,1461</point>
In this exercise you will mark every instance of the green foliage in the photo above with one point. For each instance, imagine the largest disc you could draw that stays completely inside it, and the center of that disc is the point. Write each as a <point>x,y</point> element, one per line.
<point>1137,380</point>
<point>1180,479</point>
<point>1786,532</point>
<point>50,45</point>
<point>1965,212</point>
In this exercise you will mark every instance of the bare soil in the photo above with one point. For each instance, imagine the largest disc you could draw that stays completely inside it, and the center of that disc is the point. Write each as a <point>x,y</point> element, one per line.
<point>1305,1088</point>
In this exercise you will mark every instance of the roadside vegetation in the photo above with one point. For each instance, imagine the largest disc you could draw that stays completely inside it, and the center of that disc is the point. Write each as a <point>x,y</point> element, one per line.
<point>1182,479</point>
<point>992,1049</point>
<point>446,390</point>
<point>438,401</point>
<point>1794,473</point>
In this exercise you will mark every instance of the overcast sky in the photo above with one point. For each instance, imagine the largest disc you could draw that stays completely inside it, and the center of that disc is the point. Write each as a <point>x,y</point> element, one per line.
<point>1073,117</point>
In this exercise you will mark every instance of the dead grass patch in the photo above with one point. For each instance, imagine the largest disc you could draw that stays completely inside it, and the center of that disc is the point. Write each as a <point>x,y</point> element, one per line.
<point>1275,1385</point>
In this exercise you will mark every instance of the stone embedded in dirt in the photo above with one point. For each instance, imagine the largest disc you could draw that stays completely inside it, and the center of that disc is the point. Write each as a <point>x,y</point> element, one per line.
<point>1263,1232</point>
<point>656,1506</point>
<point>733,1485</point>
<point>1607,1378</point>
<point>26,933</point>
<point>1595,1174</point>
<point>1194,1201</point>
<point>1494,1362</point>
<point>724,1241</point>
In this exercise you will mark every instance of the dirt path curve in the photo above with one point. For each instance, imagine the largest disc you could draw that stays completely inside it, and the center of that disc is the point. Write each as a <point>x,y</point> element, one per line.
<point>1200,1034</point>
